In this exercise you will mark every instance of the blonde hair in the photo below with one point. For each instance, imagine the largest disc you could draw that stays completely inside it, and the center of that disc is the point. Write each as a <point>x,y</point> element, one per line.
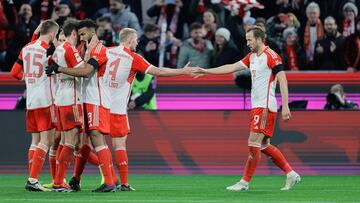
<point>126,33</point>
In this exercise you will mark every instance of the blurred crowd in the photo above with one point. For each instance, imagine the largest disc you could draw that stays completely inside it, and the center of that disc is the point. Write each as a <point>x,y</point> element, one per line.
<point>309,35</point>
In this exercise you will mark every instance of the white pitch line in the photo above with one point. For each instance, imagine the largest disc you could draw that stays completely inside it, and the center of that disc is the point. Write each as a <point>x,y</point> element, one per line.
<point>160,201</point>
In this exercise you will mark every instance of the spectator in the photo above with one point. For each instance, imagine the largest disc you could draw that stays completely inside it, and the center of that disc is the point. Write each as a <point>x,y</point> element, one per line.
<point>43,9</point>
<point>85,8</point>
<point>198,7</point>
<point>64,10</point>
<point>350,11</point>
<point>105,32</point>
<point>225,51</point>
<point>211,23</point>
<point>329,50</point>
<point>314,30</point>
<point>22,35</point>
<point>173,45</point>
<point>149,44</point>
<point>143,92</point>
<point>276,26</point>
<point>122,17</point>
<point>261,22</point>
<point>136,7</point>
<point>238,28</point>
<point>8,22</point>
<point>173,14</point>
<point>352,50</point>
<point>195,50</point>
<point>336,99</point>
<point>292,53</point>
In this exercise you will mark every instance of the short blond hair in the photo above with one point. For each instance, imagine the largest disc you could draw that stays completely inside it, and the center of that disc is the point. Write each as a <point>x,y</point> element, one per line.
<point>126,33</point>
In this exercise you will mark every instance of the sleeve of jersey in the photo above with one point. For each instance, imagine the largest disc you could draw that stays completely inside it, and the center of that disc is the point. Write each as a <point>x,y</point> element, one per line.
<point>246,60</point>
<point>140,64</point>
<point>73,58</point>
<point>274,60</point>
<point>16,70</point>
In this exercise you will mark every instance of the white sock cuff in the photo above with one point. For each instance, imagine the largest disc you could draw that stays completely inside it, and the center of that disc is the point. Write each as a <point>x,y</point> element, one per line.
<point>43,147</point>
<point>99,148</point>
<point>254,144</point>
<point>52,152</point>
<point>32,147</point>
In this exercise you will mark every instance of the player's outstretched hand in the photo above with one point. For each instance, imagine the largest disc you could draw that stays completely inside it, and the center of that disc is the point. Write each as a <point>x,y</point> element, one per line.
<point>286,115</point>
<point>197,72</point>
<point>187,69</point>
<point>52,69</point>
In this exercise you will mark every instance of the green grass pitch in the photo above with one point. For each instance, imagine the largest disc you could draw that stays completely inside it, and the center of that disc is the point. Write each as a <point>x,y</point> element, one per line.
<point>192,189</point>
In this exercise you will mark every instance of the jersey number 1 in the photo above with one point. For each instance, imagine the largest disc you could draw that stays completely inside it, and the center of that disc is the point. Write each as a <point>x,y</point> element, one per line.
<point>35,62</point>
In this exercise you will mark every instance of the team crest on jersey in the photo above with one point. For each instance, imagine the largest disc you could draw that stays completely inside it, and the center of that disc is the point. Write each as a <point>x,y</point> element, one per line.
<point>77,57</point>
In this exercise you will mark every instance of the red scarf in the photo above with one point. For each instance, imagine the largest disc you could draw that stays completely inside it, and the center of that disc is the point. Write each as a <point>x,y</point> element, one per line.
<point>319,33</point>
<point>291,57</point>
<point>200,46</point>
<point>201,6</point>
<point>174,20</point>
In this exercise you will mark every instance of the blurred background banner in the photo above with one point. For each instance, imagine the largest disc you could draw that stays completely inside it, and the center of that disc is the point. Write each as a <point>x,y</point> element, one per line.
<point>214,142</point>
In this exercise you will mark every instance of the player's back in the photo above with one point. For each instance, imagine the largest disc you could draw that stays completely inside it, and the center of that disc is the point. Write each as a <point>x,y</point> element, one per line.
<point>263,80</point>
<point>121,67</point>
<point>69,89</point>
<point>34,61</point>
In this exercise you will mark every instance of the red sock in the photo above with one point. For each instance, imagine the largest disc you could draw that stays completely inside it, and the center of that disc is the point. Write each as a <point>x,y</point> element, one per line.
<point>105,165</point>
<point>58,152</point>
<point>38,160</point>
<point>113,172</point>
<point>251,163</point>
<point>30,156</point>
<point>52,163</point>
<point>93,159</point>
<point>121,159</point>
<point>66,156</point>
<point>278,158</point>
<point>80,161</point>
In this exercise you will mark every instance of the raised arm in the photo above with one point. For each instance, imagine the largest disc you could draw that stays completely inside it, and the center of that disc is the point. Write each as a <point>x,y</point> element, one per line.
<point>84,70</point>
<point>225,69</point>
<point>168,72</point>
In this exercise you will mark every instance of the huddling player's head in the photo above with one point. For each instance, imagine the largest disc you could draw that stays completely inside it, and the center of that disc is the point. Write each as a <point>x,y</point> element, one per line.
<point>86,30</point>
<point>69,29</point>
<point>50,28</point>
<point>128,38</point>
<point>255,38</point>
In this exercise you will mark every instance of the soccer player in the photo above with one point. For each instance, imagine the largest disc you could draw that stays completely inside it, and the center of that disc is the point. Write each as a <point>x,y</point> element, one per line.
<point>121,66</point>
<point>68,99</point>
<point>40,114</point>
<point>266,69</point>
<point>96,107</point>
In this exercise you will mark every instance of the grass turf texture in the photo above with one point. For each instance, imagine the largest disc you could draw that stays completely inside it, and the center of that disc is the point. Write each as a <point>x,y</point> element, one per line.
<point>192,189</point>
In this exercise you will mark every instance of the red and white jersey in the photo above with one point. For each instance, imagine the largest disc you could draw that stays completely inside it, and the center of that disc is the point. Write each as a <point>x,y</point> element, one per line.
<point>263,81</point>
<point>121,67</point>
<point>69,89</point>
<point>34,60</point>
<point>54,84</point>
<point>94,89</point>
